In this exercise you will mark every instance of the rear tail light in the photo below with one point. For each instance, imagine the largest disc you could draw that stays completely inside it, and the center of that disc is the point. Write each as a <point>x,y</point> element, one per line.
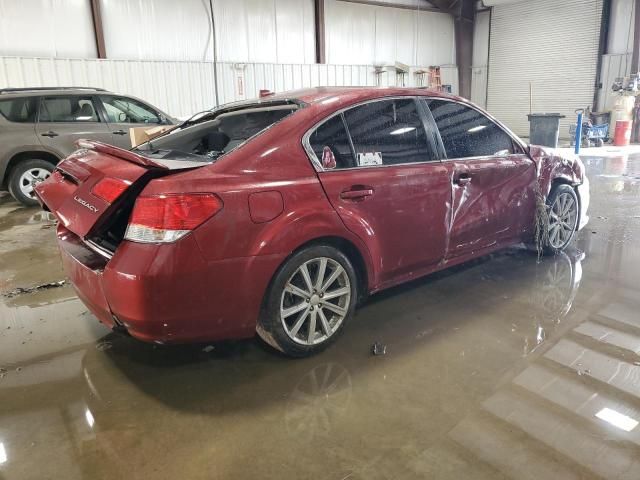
<point>167,218</point>
<point>109,189</point>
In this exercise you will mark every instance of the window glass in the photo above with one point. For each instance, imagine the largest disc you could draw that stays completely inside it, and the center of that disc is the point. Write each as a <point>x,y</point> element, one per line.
<point>128,110</point>
<point>68,109</point>
<point>388,132</point>
<point>333,136</point>
<point>21,110</point>
<point>216,133</point>
<point>466,132</point>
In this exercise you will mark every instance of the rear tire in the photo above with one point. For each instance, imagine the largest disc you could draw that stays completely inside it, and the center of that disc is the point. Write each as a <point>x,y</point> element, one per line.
<point>308,302</point>
<point>25,176</point>
<point>563,210</point>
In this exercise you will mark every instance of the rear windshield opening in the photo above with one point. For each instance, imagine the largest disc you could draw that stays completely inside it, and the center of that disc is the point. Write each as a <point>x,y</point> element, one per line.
<point>215,135</point>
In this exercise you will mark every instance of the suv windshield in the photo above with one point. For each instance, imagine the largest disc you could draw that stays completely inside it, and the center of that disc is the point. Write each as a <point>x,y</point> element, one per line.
<point>215,134</point>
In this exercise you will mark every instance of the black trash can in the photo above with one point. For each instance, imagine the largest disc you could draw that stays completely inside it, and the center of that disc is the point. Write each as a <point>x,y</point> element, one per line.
<point>544,129</point>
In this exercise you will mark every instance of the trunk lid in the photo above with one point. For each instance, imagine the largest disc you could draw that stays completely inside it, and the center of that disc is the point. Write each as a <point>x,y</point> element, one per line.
<point>68,192</point>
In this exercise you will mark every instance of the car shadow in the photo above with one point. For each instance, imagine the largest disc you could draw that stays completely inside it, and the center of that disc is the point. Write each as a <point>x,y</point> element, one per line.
<point>243,375</point>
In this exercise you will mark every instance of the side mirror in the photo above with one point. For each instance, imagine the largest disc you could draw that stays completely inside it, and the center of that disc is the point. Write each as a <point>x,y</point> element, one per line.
<point>122,117</point>
<point>328,158</point>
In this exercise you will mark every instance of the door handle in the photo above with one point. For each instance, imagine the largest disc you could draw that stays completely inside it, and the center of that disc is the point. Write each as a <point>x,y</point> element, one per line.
<point>463,179</point>
<point>356,194</point>
<point>49,134</point>
<point>120,132</point>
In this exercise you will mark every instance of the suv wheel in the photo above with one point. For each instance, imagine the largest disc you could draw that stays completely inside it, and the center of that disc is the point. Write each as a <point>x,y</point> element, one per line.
<point>25,176</point>
<point>308,302</point>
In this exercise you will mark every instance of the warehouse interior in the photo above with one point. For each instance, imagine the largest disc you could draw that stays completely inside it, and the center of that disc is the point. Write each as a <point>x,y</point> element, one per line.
<point>514,364</point>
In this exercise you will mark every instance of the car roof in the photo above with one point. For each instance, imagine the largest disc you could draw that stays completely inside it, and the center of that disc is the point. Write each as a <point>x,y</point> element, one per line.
<point>350,94</point>
<point>325,99</point>
<point>37,91</point>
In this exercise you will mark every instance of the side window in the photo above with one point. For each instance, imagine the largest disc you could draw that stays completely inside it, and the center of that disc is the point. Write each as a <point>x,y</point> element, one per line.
<point>68,109</point>
<point>128,110</point>
<point>21,110</point>
<point>388,132</point>
<point>466,132</point>
<point>330,143</point>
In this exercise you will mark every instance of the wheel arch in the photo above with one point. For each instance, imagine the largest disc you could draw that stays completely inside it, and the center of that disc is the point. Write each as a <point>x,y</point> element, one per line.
<point>26,155</point>
<point>351,251</point>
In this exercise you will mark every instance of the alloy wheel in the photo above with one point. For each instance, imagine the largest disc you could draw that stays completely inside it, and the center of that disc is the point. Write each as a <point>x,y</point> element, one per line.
<point>30,178</point>
<point>562,220</point>
<point>315,301</point>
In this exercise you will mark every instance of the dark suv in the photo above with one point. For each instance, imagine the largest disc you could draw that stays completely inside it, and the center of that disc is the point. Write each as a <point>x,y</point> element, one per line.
<point>39,126</point>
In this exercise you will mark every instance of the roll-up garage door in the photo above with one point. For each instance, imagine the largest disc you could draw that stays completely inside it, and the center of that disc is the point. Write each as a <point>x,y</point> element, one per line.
<point>551,44</point>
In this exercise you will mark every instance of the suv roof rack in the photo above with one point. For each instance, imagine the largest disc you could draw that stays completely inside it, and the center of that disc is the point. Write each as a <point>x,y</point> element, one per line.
<point>36,89</point>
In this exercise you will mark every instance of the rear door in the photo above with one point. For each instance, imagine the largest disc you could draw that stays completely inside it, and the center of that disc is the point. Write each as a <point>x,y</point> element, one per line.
<point>124,113</point>
<point>492,179</point>
<point>379,168</point>
<point>63,119</point>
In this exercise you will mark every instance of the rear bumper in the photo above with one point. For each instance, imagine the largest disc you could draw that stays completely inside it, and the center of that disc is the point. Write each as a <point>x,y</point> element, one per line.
<point>168,293</point>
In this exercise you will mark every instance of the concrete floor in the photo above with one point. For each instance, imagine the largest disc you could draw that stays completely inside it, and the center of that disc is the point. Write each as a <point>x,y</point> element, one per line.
<point>504,368</point>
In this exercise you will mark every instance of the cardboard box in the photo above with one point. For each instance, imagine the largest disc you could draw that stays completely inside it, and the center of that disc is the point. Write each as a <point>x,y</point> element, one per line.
<point>140,135</point>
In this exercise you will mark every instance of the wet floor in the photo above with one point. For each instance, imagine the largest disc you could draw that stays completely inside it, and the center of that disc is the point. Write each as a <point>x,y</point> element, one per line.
<point>503,368</point>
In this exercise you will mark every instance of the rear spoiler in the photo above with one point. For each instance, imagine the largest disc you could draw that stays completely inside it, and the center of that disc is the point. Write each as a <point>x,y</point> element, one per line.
<point>120,153</point>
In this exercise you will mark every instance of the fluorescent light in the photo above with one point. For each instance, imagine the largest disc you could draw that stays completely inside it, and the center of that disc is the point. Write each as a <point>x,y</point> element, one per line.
<point>617,419</point>
<point>402,130</point>
<point>477,129</point>
<point>89,416</point>
<point>3,453</point>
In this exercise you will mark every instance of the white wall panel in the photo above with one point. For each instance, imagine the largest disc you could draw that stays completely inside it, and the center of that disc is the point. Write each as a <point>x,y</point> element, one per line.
<point>46,28</point>
<point>552,45</point>
<point>295,22</point>
<point>367,34</point>
<point>435,39</point>
<point>157,29</point>
<point>179,88</point>
<point>480,58</point>
<point>272,31</point>
<point>613,66</point>
<point>620,39</point>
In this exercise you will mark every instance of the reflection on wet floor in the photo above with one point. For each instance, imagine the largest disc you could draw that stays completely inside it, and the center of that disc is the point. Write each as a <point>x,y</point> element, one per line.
<point>503,368</point>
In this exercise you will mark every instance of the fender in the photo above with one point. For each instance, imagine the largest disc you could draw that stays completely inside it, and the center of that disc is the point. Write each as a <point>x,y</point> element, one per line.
<point>552,167</point>
<point>287,233</point>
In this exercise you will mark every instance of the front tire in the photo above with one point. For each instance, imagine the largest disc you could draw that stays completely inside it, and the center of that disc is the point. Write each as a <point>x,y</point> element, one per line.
<point>562,205</point>
<point>25,176</point>
<point>309,301</point>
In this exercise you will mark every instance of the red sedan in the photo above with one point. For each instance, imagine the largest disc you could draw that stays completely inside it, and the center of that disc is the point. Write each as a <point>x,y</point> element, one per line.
<point>278,215</point>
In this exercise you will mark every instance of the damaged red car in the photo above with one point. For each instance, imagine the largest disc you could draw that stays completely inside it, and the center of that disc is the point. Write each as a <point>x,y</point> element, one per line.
<point>278,215</point>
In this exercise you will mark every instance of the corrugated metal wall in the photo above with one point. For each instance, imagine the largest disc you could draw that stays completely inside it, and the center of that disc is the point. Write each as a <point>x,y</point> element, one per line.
<point>553,45</point>
<point>183,88</point>
<point>367,34</point>
<point>46,28</point>
<point>179,88</point>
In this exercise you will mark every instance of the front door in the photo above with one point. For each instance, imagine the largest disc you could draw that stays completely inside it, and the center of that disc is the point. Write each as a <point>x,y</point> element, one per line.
<point>387,184</point>
<point>124,113</point>
<point>64,119</point>
<point>493,198</point>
